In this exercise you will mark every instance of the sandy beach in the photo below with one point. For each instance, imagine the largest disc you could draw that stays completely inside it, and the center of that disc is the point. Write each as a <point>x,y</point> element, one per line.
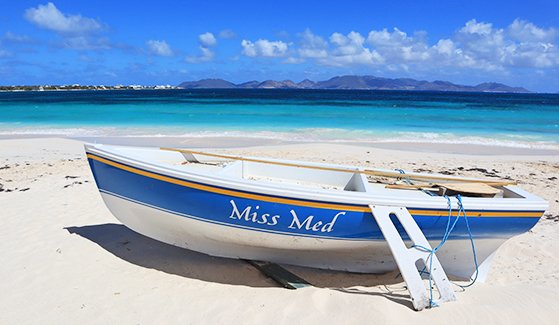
<point>66,259</point>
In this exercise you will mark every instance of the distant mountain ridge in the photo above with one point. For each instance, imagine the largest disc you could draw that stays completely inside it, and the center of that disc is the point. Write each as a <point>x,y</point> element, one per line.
<point>356,82</point>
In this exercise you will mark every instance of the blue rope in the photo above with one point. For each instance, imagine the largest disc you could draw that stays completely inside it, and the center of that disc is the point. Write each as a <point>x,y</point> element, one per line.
<point>472,281</point>
<point>449,228</point>
<point>403,172</point>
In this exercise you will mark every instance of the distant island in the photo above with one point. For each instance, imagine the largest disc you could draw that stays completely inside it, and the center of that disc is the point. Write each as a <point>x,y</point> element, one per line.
<point>340,82</point>
<point>356,82</point>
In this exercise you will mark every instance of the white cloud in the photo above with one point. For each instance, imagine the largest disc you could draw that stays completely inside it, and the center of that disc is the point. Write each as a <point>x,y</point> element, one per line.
<point>350,50</point>
<point>161,48</point>
<point>397,46</point>
<point>482,41</point>
<point>532,54</point>
<point>525,31</point>
<point>475,45</point>
<point>264,48</point>
<point>76,32</point>
<point>522,44</point>
<point>473,27</point>
<point>312,46</point>
<point>445,47</point>
<point>386,38</point>
<point>49,17</point>
<point>207,39</point>
<point>205,56</point>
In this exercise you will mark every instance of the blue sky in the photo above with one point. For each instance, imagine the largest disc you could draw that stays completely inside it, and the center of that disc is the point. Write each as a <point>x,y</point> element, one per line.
<point>167,42</point>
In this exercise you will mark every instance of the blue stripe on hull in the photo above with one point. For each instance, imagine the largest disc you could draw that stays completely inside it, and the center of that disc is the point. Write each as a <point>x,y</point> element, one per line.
<point>278,217</point>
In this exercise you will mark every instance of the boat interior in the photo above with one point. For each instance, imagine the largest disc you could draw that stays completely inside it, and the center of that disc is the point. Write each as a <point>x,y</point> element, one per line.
<point>319,176</point>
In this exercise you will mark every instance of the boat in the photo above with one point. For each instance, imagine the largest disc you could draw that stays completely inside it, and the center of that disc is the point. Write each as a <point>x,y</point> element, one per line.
<point>305,213</point>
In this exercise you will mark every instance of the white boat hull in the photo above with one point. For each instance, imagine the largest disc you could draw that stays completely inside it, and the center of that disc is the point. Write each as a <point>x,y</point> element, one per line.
<point>336,254</point>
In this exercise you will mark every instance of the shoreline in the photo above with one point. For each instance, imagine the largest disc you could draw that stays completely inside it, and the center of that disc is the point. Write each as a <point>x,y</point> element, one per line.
<point>241,142</point>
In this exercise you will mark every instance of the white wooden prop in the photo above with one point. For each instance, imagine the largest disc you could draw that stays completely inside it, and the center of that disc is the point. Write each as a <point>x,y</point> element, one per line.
<point>407,257</point>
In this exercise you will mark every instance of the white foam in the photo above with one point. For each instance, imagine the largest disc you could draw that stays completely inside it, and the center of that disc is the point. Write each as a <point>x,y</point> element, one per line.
<point>297,135</point>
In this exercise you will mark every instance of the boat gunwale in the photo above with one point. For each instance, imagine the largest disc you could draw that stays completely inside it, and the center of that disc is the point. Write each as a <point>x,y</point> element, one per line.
<point>361,200</point>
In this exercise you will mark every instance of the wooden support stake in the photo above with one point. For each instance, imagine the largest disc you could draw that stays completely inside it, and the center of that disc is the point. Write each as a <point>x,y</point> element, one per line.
<point>280,275</point>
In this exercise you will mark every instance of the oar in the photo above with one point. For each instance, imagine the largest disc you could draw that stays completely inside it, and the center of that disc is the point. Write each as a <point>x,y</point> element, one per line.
<point>416,176</point>
<point>409,186</point>
<point>371,172</point>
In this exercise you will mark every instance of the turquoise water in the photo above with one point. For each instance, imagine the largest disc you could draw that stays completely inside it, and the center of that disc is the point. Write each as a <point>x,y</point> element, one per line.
<point>307,115</point>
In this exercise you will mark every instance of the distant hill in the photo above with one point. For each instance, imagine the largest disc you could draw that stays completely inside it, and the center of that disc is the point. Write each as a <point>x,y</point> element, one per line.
<point>357,82</point>
<point>207,83</point>
<point>497,87</point>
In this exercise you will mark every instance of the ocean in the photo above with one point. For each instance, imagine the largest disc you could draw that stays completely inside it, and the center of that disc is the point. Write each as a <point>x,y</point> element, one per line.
<point>514,120</point>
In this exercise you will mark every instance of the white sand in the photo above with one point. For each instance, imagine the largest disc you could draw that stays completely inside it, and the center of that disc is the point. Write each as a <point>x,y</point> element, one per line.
<point>65,259</point>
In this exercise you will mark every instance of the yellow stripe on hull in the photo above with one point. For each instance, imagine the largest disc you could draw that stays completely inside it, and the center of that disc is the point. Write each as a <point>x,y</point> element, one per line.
<point>297,202</point>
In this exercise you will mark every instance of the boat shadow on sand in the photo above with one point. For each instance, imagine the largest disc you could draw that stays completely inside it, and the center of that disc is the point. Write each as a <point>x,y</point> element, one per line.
<point>146,252</point>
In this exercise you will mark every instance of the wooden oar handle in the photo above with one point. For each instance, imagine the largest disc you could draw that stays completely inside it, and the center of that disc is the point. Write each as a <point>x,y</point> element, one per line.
<point>371,172</point>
